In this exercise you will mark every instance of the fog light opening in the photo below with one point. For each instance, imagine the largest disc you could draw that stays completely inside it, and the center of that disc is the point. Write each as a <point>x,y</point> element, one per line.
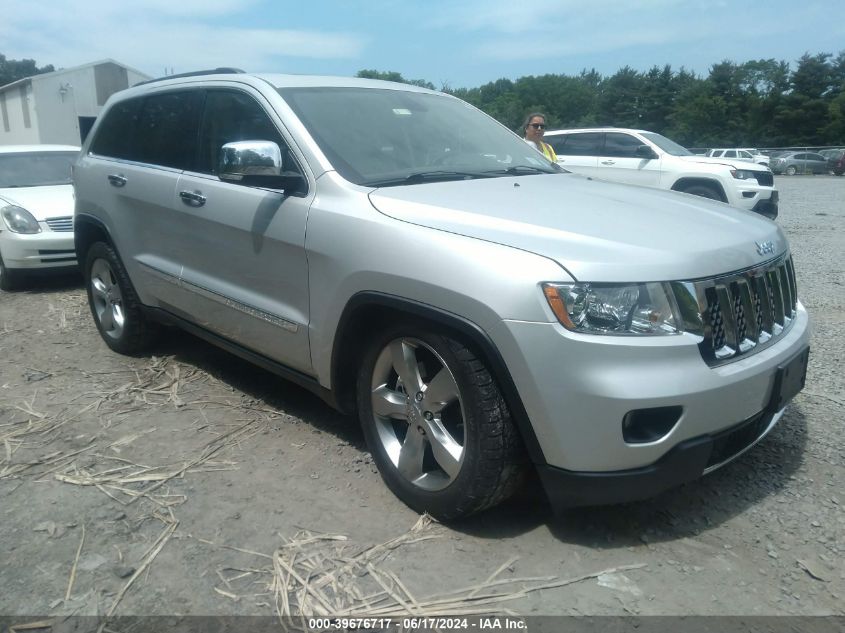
<point>642,426</point>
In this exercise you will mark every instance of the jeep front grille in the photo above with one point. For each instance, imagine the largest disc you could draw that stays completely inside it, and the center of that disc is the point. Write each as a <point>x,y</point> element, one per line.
<point>61,224</point>
<point>740,313</point>
<point>764,178</point>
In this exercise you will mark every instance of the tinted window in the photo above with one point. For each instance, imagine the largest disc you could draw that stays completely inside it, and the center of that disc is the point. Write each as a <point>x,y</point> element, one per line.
<point>580,144</point>
<point>621,145</point>
<point>114,135</point>
<point>800,156</point>
<point>817,157</point>
<point>232,116</point>
<point>167,129</point>
<point>745,155</point>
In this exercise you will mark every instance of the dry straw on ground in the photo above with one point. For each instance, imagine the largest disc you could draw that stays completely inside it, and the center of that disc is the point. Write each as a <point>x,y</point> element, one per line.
<point>316,575</point>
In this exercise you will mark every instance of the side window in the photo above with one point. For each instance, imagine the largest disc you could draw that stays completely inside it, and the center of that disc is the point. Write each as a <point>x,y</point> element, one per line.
<point>621,145</point>
<point>166,133</point>
<point>234,116</point>
<point>730,153</point>
<point>581,144</point>
<point>745,155</point>
<point>800,156</point>
<point>558,141</point>
<point>114,135</point>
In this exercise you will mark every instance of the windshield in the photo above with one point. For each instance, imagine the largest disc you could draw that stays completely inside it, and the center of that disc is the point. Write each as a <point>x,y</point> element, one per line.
<point>378,137</point>
<point>35,169</point>
<point>667,145</point>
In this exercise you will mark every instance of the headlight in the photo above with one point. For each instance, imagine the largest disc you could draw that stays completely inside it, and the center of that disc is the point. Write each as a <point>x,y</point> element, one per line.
<point>743,174</point>
<point>616,309</point>
<point>19,220</point>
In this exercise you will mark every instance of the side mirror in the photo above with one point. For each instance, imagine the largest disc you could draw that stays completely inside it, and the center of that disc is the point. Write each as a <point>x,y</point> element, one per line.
<point>644,151</point>
<point>257,163</point>
<point>249,158</point>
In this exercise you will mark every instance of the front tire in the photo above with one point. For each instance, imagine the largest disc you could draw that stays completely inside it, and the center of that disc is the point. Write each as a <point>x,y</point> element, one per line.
<point>10,280</point>
<point>704,191</point>
<point>114,304</point>
<point>791,170</point>
<point>437,425</point>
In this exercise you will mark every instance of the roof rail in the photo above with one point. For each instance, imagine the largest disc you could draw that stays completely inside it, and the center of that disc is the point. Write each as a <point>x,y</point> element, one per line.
<point>195,73</point>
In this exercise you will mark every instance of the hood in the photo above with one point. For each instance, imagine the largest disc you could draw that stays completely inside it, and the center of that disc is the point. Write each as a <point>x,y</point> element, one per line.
<point>598,231</point>
<point>52,201</point>
<point>733,163</point>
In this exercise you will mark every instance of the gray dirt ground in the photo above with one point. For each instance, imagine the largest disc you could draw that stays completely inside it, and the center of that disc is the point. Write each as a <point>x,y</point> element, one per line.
<point>235,462</point>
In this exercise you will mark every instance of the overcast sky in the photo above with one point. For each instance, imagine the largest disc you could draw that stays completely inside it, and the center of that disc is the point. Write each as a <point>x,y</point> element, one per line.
<point>459,43</point>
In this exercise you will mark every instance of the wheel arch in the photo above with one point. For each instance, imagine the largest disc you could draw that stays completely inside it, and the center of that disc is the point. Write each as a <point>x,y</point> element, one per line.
<point>87,230</point>
<point>684,183</point>
<point>367,312</point>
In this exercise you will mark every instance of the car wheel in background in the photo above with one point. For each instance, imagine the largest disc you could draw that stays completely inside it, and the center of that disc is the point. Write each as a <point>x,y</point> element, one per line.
<point>791,170</point>
<point>436,423</point>
<point>10,280</point>
<point>113,302</point>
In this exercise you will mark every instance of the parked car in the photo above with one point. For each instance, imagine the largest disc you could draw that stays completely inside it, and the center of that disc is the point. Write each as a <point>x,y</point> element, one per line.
<point>409,259</point>
<point>832,156</point>
<point>645,158</point>
<point>791,163</point>
<point>839,165</point>
<point>740,154</point>
<point>36,205</point>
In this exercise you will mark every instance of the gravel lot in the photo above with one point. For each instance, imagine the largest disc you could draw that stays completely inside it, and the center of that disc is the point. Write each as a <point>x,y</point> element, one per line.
<point>189,482</point>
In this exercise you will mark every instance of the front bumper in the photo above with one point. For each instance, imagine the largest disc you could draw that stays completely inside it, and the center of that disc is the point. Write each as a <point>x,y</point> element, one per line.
<point>48,249</point>
<point>686,462</point>
<point>762,200</point>
<point>577,389</point>
<point>767,208</point>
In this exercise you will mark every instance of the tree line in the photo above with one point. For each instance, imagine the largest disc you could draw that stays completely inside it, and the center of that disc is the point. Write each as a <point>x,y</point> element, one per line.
<point>761,103</point>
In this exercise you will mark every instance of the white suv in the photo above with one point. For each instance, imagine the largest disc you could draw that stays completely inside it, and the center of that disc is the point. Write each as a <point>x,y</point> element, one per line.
<point>747,154</point>
<point>645,158</point>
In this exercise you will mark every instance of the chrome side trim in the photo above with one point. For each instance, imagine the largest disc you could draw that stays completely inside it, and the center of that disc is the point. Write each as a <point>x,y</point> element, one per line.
<point>206,293</point>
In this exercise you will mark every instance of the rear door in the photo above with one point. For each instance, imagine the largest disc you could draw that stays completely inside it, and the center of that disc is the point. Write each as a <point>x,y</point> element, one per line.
<point>134,165</point>
<point>577,151</point>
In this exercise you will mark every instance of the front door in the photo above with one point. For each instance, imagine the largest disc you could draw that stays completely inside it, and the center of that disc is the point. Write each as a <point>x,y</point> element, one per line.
<point>245,272</point>
<point>619,155</point>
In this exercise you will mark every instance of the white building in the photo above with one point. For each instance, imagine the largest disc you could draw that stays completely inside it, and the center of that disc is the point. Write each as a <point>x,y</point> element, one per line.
<point>60,107</point>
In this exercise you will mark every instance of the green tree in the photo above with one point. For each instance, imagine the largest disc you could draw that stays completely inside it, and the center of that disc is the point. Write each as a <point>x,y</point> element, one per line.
<point>14,69</point>
<point>394,76</point>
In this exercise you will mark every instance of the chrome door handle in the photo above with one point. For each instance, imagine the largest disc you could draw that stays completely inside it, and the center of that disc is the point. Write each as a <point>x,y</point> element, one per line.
<point>608,162</point>
<point>117,180</point>
<point>192,198</point>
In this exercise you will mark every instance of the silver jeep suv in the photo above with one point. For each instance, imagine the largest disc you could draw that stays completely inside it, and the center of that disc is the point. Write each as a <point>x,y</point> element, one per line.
<point>409,259</point>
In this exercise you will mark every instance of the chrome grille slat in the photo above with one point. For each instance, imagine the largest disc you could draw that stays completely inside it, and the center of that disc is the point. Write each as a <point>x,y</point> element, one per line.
<point>60,224</point>
<point>745,311</point>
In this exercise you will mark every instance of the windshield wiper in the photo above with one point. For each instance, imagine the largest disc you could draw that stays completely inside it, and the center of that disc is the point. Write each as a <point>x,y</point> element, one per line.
<point>429,176</point>
<point>523,170</point>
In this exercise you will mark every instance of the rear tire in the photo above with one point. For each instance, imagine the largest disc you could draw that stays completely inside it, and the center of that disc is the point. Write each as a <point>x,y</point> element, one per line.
<point>114,304</point>
<point>10,280</point>
<point>436,423</point>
